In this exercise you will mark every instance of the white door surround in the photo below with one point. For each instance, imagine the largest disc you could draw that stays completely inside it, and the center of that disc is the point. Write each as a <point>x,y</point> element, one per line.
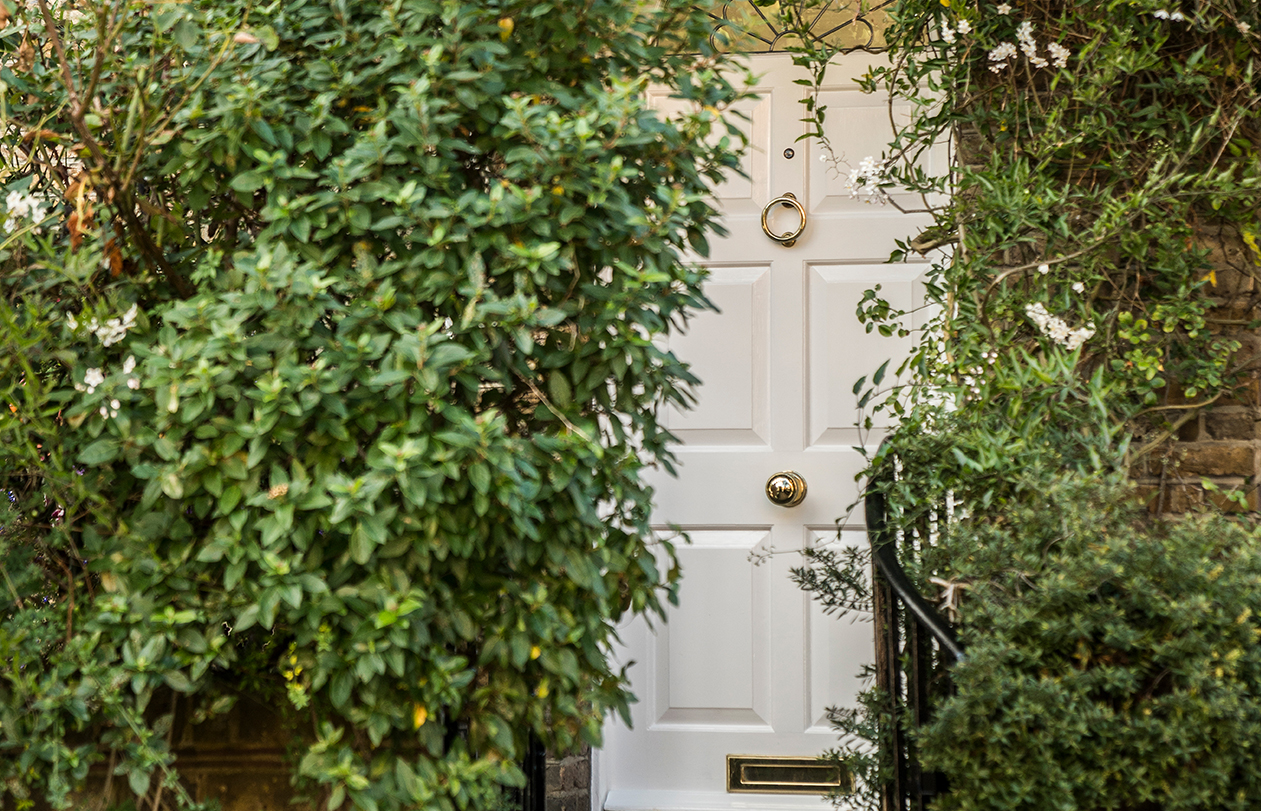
<point>747,664</point>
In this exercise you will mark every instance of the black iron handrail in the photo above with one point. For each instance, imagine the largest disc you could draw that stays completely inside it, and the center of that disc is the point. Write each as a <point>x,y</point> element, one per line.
<point>884,552</point>
<point>915,648</point>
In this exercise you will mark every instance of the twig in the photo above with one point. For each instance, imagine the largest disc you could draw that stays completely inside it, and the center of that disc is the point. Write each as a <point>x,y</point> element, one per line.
<point>124,203</point>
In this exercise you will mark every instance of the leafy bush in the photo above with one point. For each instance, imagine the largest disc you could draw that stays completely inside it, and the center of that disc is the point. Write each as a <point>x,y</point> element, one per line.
<point>1112,663</point>
<point>1092,266</point>
<point>330,364</point>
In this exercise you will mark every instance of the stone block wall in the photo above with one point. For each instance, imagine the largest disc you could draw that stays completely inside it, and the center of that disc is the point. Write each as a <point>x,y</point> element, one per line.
<point>569,782</point>
<point>1208,454</point>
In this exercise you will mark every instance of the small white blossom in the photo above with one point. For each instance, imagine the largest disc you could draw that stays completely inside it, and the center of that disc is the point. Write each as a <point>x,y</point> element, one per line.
<point>114,329</point>
<point>93,378</point>
<point>1003,8</point>
<point>20,206</point>
<point>964,27</point>
<point>1078,287</point>
<point>947,34</point>
<point>1056,329</point>
<point>129,364</point>
<point>1044,269</point>
<point>1024,34</point>
<point>72,321</point>
<point>133,383</point>
<point>1059,54</point>
<point>867,179</point>
<point>1243,27</point>
<point>1175,16</point>
<point>1001,56</point>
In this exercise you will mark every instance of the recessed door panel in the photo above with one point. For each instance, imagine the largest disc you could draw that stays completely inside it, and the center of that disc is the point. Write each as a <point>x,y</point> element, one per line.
<point>839,647</point>
<point>840,350</point>
<point>729,351</point>
<point>720,626</point>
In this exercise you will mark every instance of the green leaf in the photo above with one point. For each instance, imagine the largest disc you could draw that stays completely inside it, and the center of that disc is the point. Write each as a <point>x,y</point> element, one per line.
<point>559,389</point>
<point>177,681</point>
<point>139,781</point>
<point>99,452</point>
<point>246,618</point>
<point>361,546</point>
<point>879,375</point>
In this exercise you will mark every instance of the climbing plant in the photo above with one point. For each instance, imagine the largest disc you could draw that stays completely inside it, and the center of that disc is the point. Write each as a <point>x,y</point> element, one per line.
<point>1091,289</point>
<point>329,368</point>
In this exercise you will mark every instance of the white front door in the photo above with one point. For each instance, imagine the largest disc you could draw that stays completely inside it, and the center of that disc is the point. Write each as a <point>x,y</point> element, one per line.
<point>747,664</point>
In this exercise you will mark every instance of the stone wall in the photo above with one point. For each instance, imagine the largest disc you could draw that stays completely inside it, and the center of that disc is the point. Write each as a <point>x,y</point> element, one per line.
<point>569,782</point>
<point>1217,443</point>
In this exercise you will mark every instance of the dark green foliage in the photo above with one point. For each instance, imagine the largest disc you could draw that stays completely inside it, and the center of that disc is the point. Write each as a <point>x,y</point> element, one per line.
<point>399,272</point>
<point>1094,249</point>
<point>1112,663</point>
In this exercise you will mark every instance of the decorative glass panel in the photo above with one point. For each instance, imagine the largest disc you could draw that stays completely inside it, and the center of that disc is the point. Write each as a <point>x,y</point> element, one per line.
<point>847,25</point>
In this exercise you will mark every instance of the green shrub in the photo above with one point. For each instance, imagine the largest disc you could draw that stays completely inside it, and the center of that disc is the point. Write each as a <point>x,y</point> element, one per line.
<point>1112,663</point>
<point>329,360</point>
<point>1091,265</point>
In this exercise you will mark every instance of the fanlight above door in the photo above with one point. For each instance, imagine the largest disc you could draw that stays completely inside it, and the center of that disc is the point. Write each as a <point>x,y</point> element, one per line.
<point>746,26</point>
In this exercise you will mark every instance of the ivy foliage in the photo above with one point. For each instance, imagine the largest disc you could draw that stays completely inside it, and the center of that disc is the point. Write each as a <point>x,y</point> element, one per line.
<point>1091,286</point>
<point>330,366</point>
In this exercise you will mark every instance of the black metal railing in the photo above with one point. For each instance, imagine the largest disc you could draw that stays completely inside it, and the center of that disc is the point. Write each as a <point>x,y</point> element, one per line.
<point>533,795</point>
<point>915,647</point>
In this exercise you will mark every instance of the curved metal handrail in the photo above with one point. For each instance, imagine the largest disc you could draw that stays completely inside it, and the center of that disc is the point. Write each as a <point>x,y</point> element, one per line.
<point>884,552</point>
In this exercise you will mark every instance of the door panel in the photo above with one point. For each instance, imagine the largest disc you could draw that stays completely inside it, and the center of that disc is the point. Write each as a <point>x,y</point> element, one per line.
<point>732,353</point>
<point>747,663</point>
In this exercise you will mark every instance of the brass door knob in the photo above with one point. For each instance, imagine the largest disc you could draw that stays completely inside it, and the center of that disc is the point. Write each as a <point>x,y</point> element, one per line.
<point>787,488</point>
<point>788,200</point>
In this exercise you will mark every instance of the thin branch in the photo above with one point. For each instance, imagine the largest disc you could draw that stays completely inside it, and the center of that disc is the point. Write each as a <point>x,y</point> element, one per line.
<point>124,204</point>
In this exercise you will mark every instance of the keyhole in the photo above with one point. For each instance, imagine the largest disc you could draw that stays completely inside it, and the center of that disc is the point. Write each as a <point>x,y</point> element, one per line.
<point>788,153</point>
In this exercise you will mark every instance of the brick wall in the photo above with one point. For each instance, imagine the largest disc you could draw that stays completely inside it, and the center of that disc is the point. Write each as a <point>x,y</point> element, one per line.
<point>239,760</point>
<point>1218,443</point>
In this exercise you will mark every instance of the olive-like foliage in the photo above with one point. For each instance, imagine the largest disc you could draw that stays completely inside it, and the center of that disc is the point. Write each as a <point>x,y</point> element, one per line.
<point>332,358</point>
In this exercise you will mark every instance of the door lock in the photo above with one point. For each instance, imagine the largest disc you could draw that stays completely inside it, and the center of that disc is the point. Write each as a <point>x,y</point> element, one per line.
<point>786,488</point>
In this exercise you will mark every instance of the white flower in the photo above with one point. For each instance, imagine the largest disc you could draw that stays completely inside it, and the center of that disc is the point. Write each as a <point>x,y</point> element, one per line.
<point>1175,16</point>
<point>1044,269</point>
<point>867,179</point>
<point>133,383</point>
<point>114,329</point>
<point>964,27</point>
<point>947,34</point>
<point>93,378</point>
<point>72,321</point>
<point>1243,27</point>
<point>1056,329</point>
<point>1078,287</point>
<point>1001,56</point>
<point>1003,8</point>
<point>21,206</point>
<point>129,364</point>
<point>1024,34</point>
<point>1059,54</point>
<point>114,404</point>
